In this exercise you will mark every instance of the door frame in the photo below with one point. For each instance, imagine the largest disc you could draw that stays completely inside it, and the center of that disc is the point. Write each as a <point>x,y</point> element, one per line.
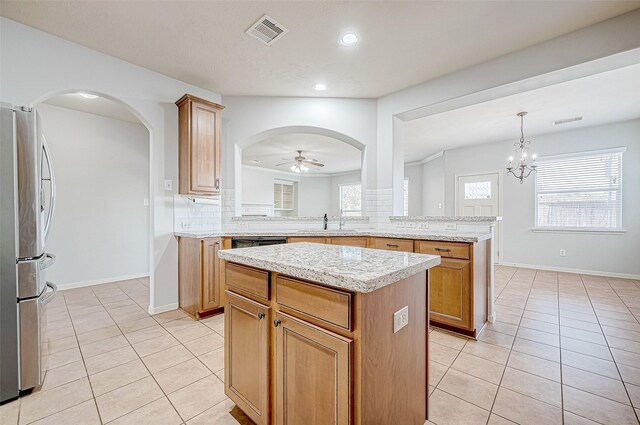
<point>456,176</point>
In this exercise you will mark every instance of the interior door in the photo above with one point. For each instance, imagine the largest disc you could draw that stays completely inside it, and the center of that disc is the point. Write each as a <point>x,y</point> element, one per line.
<point>479,195</point>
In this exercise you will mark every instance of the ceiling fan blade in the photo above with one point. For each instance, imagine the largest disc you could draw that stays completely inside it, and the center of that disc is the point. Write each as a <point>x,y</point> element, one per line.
<point>284,163</point>
<point>314,163</point>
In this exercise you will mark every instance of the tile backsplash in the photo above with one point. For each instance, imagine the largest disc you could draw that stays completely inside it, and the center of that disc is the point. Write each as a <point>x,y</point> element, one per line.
<point>194,214</point>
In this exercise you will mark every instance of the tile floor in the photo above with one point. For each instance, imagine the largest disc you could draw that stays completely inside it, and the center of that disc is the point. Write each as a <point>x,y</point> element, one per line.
<point>565,350</point>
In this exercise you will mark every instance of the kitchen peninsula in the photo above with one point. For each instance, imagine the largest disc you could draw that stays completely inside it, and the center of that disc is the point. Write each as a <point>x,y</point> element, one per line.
<point>326,334</point>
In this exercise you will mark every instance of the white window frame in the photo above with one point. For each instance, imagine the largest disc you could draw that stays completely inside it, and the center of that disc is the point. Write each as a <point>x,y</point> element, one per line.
<point>340,186</point>
<point>568,229</point>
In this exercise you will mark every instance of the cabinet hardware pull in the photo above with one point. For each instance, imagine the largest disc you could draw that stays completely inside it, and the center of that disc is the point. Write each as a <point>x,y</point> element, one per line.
<point>217,183</point>
<point>393,245</point>
<point>260,316</point>
<point>443,249</point>
<point>276,323</point>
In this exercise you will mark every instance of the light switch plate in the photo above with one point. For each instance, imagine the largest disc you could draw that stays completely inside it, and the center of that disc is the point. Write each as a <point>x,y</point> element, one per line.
<point>168,185</point>
<point>400,318</point>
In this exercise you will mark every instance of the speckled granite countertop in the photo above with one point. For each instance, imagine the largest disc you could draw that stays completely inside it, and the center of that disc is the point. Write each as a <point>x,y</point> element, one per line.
<point>354,269</point>
<point>451,236</point>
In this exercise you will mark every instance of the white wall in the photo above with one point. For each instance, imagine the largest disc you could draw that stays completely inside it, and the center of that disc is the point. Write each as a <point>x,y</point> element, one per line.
<point>100,230</point>
<point>592,252</point>
<point>433,187</point>
<point>414,173</point>
<point>35,65</point>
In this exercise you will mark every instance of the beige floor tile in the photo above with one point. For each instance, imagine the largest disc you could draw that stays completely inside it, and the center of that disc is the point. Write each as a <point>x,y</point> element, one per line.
<point>525,410</point>
<point>549,318</point>
<point>595,384</point>
<point>588,348</point>
<point>195,398</point>
<point>479,367</point>
<point>593,337</point>
<point>573,419</point>
<point>192,332</point>
<point>634,394</point>
<point>624,344</point>
<point>204,344</point>
<point>181,375</point>
<point>98,335</point>
<point>223,413</point>
<point>469,388</point>
<point>146,334</point>
<point>436,372</point>
<point>486,351</point>
<point>540,325</point>
<point>533,386</point>
<point>82,414</point>
<point>446,409</point>
<point>537,349</point>
<point>157,412</point>
<point>579,324</point>
<point>499,420</point>
<point>214,360</point>
<point>110,359</point>
<point>441,354</point>
<point>62,358</point>
<point>625,357</point>
<point>151,346</point>
<point>135,325</point>
<point>116,377</point>
<point>103,346</point>
<point>447,339</point>
<point>45,403</point>
<point>63,375</point>
<point>539,336</point>
<point>633,335</point>
<point>591,364</point>
<point>169,316</point>
<point>630,374</point>
<point>167,358</point>
<point>220,375</point>
<point>496,338</point>
<point>123,400</point>
<point>62,344</point>
<point>597,408</point>
<point>9,413</point>
<point>502,327</point>
<point>535,365</point>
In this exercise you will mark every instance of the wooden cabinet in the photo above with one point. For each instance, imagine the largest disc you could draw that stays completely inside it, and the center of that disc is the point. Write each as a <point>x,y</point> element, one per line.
<point>199,276</point>
<point>390,244</point>
<point>199,146</point>
<point>359,241</point>
<point>314,239</point>
<point>312,374</point>
<point>458,286</point>
<point>247,356</point>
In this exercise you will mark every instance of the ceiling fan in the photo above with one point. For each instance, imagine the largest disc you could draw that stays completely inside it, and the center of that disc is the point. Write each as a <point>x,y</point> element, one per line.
<point>300,163</point>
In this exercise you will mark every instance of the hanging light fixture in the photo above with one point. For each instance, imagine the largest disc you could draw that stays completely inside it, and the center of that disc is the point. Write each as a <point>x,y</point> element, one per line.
<point>522,169</point>
<point>299,168</point>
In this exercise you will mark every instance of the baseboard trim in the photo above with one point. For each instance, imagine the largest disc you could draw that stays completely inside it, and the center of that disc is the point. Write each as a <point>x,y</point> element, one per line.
<point>569,270</point>
<point>65,286</point>
<point>162,308</point>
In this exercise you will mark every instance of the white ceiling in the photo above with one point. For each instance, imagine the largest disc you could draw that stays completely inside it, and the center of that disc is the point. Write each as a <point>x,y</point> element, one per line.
<point>401,43</point>
<point>600,99</point>
<point>98,106</point>
<point>337,156</point>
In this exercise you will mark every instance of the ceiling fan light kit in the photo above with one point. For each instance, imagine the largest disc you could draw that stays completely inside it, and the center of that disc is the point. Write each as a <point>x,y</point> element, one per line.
<point>522,169</point>
<point>301,164</point>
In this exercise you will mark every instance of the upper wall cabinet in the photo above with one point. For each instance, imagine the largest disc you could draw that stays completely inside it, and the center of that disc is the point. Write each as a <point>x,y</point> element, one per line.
<point>199,137</point>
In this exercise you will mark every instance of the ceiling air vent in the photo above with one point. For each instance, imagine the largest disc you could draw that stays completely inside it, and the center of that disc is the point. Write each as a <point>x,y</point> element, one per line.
<point>267,30</point>
<point>568,120</point>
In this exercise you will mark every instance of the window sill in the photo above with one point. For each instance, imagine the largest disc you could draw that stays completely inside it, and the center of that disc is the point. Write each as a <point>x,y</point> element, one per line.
<point>579,230</point>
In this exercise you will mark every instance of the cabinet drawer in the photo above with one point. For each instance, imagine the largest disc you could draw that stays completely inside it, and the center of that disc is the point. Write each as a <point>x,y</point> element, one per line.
<point>313,239</point>
<point>326,304</point>
<point>359,241</point>
<point>246,279</point>
<point>389,244</point>
<point>444,249</point>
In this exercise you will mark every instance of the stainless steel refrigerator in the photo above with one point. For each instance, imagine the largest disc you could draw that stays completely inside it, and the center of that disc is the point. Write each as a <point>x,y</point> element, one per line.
<point>27,194</point>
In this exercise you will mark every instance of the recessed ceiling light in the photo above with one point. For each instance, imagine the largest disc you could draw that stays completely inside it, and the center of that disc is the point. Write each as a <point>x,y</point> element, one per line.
<point>349,39</point>
<point>320,86</point>
<point>87,95</point>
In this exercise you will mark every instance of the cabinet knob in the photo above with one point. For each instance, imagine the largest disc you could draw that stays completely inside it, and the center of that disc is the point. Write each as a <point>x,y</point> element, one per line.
<point>260,316</point>
<point>276,323</point>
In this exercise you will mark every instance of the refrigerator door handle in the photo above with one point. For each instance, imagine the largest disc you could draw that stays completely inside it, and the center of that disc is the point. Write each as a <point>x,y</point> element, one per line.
<point>52,179</point>
<point>49,261</point>
<point>50,297</point>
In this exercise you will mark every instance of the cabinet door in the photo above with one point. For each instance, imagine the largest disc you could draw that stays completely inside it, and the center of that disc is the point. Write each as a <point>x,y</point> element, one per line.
<point>359,241</point>
<point>450,293</point>
<point>246,360</point>
<point>389,244</point>
<point>312,374</point>
<point>210,274</point>
<point>204,149</point>
<point>294,239</point>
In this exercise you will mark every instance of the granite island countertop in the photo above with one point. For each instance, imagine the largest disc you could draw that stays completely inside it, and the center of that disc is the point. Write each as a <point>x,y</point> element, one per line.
<point>445,236</point>
<point>351,268</point>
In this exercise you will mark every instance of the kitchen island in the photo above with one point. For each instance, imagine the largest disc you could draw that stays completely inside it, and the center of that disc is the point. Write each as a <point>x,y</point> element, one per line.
<point>326,334</point>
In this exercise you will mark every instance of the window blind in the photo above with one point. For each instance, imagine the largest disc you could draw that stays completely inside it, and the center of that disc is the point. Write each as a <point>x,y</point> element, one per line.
<point>582,191</point>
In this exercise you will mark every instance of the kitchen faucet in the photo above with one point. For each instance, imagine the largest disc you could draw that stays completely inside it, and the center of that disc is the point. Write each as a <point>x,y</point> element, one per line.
<point>326,221</point>
<point>341,222</point>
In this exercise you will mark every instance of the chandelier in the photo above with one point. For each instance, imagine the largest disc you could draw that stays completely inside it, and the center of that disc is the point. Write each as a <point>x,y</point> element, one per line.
<point>522,169</point>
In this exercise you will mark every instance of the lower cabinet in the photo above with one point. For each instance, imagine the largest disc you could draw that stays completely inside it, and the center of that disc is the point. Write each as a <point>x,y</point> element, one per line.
<point>199,276</point>
<point>359,241</point>
<point>247,326</point>
<point>450,298</point>
<point>389,244</point>
<point>312,374</point>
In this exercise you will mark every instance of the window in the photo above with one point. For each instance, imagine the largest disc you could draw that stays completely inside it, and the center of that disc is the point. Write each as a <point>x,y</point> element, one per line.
<point>405,198</point>
<point>581,191</point>
<point>283,195</point>
<point>477,190</point>
<point>351,199</point>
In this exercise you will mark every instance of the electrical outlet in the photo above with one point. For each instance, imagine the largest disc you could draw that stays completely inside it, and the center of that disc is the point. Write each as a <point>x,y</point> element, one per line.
<point>423,225</point>
<point>242,225</point>
<point>450,226</point>
<point>168,185</point>
<point>563,252</point>
<point>439,205</point>
<point>411,225</point>
<point>400,318</point>
<point>145,202</point>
